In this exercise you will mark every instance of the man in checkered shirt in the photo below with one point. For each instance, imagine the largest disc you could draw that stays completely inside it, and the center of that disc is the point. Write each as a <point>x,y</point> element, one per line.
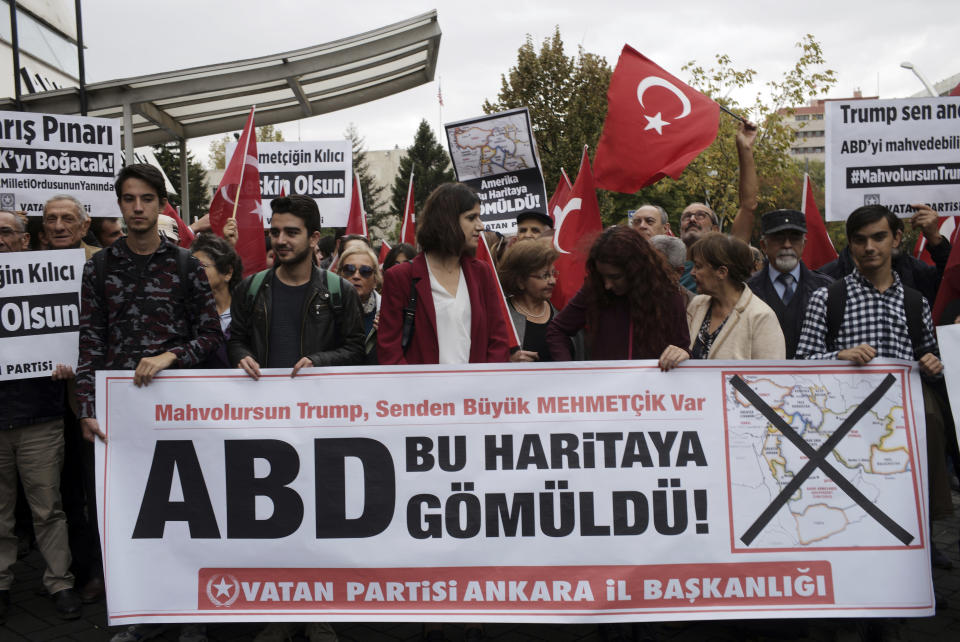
<point>874,322</point>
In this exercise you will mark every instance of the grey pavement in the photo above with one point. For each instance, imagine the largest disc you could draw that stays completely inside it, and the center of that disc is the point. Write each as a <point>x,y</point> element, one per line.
<point>32,617</point>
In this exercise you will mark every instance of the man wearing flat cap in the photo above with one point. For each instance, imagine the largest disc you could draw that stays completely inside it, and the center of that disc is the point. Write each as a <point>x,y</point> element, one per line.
<point>532,225</point>
<point>785,283</point>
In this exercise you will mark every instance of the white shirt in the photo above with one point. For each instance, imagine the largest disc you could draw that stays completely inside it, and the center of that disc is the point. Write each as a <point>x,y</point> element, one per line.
<point>453,320</point>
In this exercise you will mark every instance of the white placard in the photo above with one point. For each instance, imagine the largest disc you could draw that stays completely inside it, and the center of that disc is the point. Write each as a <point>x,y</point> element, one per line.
<point>39,311</point>
<point>892,153</point>
<point>43,155</point>
<point>591,491</point>
<point>322,170</point>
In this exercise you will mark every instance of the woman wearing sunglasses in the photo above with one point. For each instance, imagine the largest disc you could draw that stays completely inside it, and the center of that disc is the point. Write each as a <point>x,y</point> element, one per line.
<point>358,265</point>
<point>454,296</point>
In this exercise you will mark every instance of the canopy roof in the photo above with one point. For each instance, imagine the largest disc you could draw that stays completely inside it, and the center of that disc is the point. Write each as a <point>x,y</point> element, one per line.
<point>201,101</point>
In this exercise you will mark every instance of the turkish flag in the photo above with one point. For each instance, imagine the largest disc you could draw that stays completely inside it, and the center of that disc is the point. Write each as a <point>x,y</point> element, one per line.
<point>949,286</point>
<point>357,219</point>
<point>183,230</point>
<point>560,195</point>
<point>656,124</point>
<point>483,253</point>
<point>238,196</point>
<point>819,249</point>
<point>577,225</point>
<point>408,228</point>
<point>384,250</point>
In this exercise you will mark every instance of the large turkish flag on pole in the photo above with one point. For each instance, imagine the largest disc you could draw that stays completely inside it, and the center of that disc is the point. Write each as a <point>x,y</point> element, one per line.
<point>577,225</point>
<point>560,196</point>
<point>238,196</point>
<point>656,124</point>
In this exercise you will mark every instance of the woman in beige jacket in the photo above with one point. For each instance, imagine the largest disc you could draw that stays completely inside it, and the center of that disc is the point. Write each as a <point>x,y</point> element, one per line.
<point>726,321</point>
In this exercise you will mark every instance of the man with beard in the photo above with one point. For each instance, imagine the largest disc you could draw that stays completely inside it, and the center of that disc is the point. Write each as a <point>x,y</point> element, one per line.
<point>785,283</point>
<point>292,315</point>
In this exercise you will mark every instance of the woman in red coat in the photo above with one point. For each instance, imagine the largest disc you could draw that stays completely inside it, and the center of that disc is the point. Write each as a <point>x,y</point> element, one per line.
<point>453,296</point>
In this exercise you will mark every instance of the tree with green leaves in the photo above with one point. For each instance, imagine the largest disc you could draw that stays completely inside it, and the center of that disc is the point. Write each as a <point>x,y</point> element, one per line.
<point>168,156</point>
<point>373,205</point>
<point>218,147</point>
<point>567,99</point>
<point>430,164</point>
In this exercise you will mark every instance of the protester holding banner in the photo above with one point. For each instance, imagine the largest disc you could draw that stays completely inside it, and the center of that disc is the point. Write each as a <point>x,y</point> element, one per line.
<point>629,304</point>
<point>528,275</point>
<point>442,307</point>
<point>358,267</point>
<point>726,321</point>
<point>32,448</point>
<point>147,305</point>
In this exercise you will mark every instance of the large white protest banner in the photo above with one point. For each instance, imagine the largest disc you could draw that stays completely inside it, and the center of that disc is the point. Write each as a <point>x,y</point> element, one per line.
<point>892,153</point>
<point>42,155</point>
<point>594,491</point>
<point>497,156</point>
<point>39,312</point>
<point>321,170</point>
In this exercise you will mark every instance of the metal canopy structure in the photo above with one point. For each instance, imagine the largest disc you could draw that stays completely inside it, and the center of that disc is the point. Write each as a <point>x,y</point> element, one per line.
<point>201,101</point>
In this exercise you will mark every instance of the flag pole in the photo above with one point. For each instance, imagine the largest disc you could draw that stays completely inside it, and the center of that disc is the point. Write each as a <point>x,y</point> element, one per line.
<point>737,116</point>
<point>246,147</point>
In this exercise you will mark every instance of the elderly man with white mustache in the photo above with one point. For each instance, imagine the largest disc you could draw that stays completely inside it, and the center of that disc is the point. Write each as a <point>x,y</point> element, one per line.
<point>785,283</point>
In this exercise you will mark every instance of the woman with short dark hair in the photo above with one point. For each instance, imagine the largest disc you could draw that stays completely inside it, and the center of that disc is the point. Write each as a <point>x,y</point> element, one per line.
<point>455,298</point>
<point>726,320</point>
<point>400,253</point>
<point>224,272</point>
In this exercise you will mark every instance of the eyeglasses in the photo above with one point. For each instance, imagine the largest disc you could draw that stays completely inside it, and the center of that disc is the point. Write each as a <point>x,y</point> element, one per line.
<point>365,270</point>
<point>699,214</point>
<point>546,276</point>
<point>7,232</point>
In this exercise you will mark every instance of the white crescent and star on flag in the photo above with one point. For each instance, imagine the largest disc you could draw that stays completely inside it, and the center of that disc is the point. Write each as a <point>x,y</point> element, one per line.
<point>560,216</point>
<point>656,122</point>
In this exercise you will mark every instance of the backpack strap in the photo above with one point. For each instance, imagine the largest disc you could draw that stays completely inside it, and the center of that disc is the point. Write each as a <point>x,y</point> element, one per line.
<point>333,287</point>
<point>913,305</point>
<point>836,305</point>
<point>409,316</point>
<point>255,284</point>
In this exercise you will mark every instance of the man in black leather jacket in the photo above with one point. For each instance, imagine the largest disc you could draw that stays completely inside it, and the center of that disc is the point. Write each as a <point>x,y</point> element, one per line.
<point>289,316</point>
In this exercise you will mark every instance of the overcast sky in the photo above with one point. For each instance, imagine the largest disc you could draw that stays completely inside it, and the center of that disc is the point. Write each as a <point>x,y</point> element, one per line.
<point>865,42</point>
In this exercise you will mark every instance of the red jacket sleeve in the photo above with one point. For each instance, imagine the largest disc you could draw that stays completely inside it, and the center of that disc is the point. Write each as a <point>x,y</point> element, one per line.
<point>566,324</point>
<point>498,347</point>
<point>396,290</point>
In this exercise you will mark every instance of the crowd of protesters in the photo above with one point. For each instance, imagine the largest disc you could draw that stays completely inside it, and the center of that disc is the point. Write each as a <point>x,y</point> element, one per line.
<point>149,305</point>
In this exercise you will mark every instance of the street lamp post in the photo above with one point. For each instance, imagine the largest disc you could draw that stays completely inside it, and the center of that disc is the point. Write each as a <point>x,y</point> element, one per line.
<point>926,83</point>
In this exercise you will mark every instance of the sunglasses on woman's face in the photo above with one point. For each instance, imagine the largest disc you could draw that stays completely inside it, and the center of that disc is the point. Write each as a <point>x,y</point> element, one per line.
<point>365,270</point>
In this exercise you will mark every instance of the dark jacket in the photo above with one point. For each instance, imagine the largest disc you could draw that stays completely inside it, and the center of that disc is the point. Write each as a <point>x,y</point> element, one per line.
<point>611,340</point>
<point>488,330</point>
<point>132,318</point>
<point>30,401</point>
<point>791,315</point>
<point>913,272</point>
<point>324,340</point>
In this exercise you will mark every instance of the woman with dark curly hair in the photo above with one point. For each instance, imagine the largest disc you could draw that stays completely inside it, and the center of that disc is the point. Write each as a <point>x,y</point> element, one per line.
<point>224,272</point>
<point>629,304</point>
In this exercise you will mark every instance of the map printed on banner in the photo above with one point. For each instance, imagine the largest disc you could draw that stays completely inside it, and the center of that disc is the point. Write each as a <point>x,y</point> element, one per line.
<point>497,156</point>
<point>875,457</point>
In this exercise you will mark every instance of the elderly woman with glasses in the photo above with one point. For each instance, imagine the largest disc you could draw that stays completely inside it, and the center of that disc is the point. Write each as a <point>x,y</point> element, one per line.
<point>528,277</point>
<point>358,266</point>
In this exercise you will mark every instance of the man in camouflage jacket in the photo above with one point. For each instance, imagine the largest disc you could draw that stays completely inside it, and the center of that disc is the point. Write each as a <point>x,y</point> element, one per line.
<point>147,304</point>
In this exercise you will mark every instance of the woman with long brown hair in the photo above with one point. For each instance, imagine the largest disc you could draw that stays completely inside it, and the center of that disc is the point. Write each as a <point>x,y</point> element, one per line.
<point>629,305</point>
